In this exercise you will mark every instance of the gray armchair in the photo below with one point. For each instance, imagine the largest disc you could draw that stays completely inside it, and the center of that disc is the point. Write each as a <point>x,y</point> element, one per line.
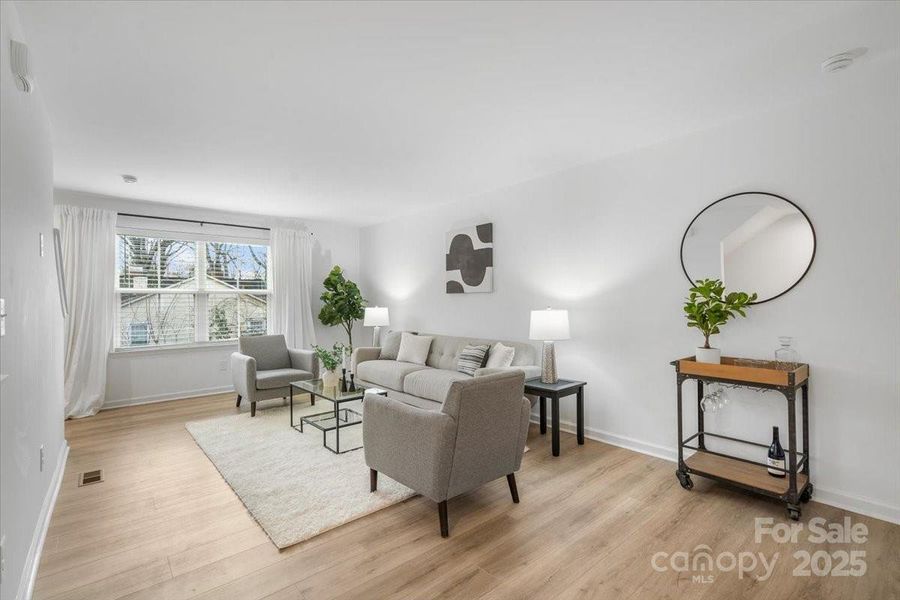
<point>476,436</point>
<point>264,367</point>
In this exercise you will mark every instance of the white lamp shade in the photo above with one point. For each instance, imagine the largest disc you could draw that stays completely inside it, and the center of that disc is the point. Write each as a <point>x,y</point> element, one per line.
<point>549,325</point>
<point>376,316</point>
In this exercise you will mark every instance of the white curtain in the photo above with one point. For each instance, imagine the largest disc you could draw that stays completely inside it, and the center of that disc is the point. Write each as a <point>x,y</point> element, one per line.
<point>89,263</point>
<point>292,287</point>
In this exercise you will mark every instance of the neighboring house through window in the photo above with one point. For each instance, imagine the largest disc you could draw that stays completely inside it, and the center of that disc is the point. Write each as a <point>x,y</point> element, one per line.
<point>138,333</point>
<point>182,291</point>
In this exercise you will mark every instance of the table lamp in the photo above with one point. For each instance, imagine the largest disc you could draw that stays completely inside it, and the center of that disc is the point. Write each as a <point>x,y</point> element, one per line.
<point>548,326</point>
<point>377,317</point>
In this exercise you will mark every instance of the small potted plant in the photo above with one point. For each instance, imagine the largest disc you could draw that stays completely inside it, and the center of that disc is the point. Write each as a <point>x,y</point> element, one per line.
<point>330,361</point>
<point>708,308</point>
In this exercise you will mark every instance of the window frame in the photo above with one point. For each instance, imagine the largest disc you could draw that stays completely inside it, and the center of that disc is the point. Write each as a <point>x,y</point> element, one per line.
<point>200,292</point>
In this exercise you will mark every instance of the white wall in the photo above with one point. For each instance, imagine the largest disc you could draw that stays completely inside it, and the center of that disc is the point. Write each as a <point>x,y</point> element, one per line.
<point>31,397</point>
<point>603,241</point>
<point>162,374</point>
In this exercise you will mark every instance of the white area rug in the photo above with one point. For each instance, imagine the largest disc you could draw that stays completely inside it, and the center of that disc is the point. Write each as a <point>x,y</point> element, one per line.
<point>293,487</point>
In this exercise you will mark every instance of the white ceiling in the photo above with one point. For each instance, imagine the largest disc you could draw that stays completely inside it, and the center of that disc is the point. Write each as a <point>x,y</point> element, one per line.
<point>365,111</point>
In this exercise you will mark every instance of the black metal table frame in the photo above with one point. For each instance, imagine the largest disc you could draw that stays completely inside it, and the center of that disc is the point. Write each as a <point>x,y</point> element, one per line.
<point>578,390</point>
<point>798,462</point>
<point>335,412</point>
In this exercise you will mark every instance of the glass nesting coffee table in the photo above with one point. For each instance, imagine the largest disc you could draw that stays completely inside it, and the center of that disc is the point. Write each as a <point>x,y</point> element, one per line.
<point>334,420</point>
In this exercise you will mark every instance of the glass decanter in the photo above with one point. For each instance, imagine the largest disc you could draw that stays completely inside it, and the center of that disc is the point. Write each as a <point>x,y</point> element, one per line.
<point>786,356</point>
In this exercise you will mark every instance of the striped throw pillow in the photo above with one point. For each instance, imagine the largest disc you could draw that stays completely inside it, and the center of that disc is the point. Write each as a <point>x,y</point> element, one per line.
<point>471,358</point>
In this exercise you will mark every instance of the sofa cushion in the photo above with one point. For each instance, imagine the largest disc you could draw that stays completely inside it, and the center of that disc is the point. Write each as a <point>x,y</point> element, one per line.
<point>472,357</point>
<point>390,345</point>
<point>270,351</point>
<point>386,373</point>
<point>432,384</point>
<point>414,348</point>
<point>276,378</point>
<point>414,401</point>
<point>500,356</point>
<point>445,351</point>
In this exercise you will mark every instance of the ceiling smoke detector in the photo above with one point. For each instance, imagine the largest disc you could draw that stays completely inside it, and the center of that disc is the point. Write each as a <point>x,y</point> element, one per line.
<point>129,178</point>
<point>841,61</point>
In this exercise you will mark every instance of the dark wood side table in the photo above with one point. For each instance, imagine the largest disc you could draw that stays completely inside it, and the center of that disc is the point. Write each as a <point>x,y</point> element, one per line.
<point>555,391</point>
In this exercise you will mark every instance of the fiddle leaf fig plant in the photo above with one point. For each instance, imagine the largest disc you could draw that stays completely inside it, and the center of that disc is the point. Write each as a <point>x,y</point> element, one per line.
<point>708,307</point>
<point>342,303</point>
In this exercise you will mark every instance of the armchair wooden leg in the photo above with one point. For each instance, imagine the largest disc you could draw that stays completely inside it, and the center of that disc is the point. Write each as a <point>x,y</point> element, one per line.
<point>253,409</point>
<point>373,480</point>
<point>442,515</point>
<point>514,492</point>
<point>238,400</point>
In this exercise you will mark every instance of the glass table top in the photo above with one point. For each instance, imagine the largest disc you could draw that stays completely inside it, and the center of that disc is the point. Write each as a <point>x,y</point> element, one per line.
<point>334,393</point>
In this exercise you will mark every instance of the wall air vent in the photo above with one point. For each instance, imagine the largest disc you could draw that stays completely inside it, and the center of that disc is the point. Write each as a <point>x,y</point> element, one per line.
<point>89,477</point>
<point>841,61</point>
<point>18,59</point>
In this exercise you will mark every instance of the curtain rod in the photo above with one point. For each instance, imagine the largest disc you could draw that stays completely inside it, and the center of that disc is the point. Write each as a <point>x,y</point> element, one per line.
<point>196,221</point>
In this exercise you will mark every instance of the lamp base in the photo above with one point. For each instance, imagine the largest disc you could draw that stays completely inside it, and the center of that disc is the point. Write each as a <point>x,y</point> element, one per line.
<point>376,336</point>
<point>548,364</point>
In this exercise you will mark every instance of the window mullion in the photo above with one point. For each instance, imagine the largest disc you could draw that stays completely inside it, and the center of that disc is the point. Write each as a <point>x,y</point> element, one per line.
<point>237,323</point>
<point>201,317</point>
<point>269,288</point>
<point>201,320</point>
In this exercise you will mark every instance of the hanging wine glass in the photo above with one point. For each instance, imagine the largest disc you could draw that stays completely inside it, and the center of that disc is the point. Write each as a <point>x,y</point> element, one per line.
<point>723,398</point>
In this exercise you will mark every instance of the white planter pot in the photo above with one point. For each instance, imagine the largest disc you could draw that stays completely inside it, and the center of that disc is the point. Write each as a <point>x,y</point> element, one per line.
<point>709,355</point>
<point>330,379</point>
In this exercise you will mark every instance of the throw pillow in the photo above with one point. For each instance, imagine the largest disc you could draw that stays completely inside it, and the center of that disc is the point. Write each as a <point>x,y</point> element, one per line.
<point>414,348</point>
<point>500,356</point>
<point>471,358</point>
<point>390,346</point>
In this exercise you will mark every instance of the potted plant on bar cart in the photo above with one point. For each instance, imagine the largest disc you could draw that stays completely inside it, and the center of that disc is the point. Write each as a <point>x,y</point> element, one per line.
<point>708,308</point>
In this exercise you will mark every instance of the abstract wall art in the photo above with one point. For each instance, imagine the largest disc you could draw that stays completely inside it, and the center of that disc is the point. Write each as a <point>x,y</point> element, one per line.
<point>470,260</point>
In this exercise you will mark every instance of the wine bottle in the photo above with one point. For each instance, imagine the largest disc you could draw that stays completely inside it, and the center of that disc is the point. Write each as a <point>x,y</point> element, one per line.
<point>776,455</point>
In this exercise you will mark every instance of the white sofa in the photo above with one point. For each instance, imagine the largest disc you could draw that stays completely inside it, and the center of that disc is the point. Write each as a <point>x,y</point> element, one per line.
<point>426,386</point>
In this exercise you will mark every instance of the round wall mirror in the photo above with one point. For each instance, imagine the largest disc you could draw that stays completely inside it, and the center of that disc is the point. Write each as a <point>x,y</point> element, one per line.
<point>752,241</point>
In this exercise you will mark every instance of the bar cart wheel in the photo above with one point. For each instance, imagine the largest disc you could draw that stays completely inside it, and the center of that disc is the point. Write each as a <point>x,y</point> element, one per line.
<point>684,479</point>
<point>807,494</point>
<point>793,512</point>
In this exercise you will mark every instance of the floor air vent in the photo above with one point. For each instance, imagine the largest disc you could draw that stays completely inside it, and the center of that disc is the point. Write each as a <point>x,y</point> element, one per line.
<point>89,477</point>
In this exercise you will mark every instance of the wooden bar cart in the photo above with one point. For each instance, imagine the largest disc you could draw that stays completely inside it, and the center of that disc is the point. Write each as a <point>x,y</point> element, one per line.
<point>750,475</point>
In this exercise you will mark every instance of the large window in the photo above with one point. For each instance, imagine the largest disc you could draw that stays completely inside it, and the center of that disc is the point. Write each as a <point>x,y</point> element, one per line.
<point>175,291</point>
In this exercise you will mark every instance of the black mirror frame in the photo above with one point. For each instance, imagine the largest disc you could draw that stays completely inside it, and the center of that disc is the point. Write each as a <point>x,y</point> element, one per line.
<point>711,204</point>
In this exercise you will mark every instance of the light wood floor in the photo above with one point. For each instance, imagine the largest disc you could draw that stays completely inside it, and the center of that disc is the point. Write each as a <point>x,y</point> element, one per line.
<point>165,525</point>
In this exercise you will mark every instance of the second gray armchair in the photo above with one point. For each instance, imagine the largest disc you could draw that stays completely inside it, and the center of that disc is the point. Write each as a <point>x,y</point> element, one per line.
<point>475,436</point>
<point>264,367</point>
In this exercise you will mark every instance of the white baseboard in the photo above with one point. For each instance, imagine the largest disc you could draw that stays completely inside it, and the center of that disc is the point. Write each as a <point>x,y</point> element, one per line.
<point>863,506</point>
<point>29,573</point>
<point>166,397</point>
<point>858,504</point>
<point>613,439</point>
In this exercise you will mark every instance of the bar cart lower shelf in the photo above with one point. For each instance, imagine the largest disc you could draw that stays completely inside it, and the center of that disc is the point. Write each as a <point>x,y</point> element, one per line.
<point>795,487</point>
<point>740,472</point>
